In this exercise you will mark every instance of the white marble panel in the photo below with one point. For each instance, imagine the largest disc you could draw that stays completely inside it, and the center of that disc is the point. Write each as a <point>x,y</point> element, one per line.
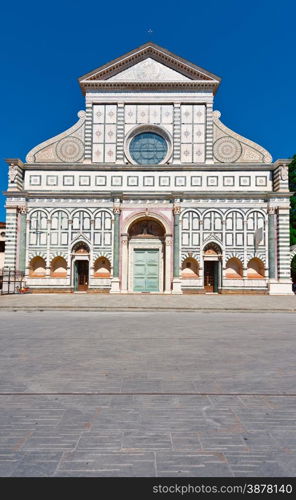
<point>186,153</point>
<point>110,153</point>
<point>98,133</point>
<point>98,153</point>
<point>111,113</point>
<point>166,113</point>
<point>199,133</point>
<point>143,114</point>
<point>186,134</point>
<point>199,153</point>
<point>99,113</point>
<point>154,114</point>
<point>186,113</point>
<point>199,113</point>
<point>110,133</point>
<point>130,113</point>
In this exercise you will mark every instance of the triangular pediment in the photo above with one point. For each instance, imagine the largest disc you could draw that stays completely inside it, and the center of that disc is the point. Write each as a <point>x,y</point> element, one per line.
<point>149,70</point>
<point>149,64</point>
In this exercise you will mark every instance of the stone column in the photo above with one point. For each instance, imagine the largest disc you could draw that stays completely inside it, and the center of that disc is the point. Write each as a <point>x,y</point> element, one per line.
<point>272,242</point>
<point>48,262</point>
<point>115,288</point>
<point>282,284</point>
<point>176,251</point>
<point>124,263</point>
<point>22,238</point>
<point>167,263</point>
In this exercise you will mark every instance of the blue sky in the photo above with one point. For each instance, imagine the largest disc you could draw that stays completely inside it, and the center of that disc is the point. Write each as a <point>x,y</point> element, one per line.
<point>47,46</point>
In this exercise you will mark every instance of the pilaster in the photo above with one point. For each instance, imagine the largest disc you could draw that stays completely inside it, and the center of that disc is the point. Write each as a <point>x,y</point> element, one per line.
<point>177,133</point>
<point>120,134</point>
<point>176,251</point>
<point>272,242</point>
<point>209,132</point>
<point>115,281</point>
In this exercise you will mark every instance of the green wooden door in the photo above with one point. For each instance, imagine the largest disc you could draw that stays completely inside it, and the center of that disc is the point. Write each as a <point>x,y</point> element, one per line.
<point>146,271</point>
<point>75,281</point>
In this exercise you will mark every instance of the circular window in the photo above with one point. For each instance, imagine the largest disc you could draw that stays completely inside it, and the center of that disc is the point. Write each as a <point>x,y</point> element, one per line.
<point>148,148</point>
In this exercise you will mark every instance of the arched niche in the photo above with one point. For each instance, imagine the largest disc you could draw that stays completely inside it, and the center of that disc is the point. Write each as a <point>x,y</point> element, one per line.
<point>37,267</point>
<point>58,267</point>
<point>102,268</point>
<point>190,269</point>
<point>234,269</point>
<point>255,269</point>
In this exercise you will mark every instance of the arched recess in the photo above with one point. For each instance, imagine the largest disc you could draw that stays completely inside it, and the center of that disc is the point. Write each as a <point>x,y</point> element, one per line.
<point>102,268</point>
<point>212,259</point>
<point>38,228</point>
<point>190,229</point>
<point>37,267</point>
<point>58,267</point>
<point>146,253</point>
<point>190,269</point>
<point>81,224</point>
<point>255,269</point>
<point>80,266</point>
<point>234,269</point>
<point>59,228</point>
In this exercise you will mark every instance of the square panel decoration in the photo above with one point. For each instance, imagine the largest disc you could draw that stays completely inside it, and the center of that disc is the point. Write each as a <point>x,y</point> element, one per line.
<point>116,180</point>
<point>100,180</point>
<point>212,181</point>
<point>228,181</point>
<point>164,181</point>
<point>84,180</point>
<point>261,181</point>
<point>245,181</point>
<point>148,180</point>
<point>68,180</point>
<point>35,180</point>
<point>51,180</point>
<point>196,180</point>
<point>132,180</point>
<point>180,181</point>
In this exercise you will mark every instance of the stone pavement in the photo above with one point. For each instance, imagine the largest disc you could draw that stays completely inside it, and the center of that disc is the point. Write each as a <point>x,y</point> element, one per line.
<point>152,302</point>
<point>166,394</point>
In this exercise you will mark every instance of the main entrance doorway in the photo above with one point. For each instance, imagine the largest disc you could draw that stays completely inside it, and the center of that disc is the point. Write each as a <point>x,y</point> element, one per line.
<point>146,270</point>
<point>81,272</point>
<point>211,276</point>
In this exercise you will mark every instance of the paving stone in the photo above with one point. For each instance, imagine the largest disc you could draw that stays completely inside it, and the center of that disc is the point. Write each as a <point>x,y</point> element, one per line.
<point>146,441</point>
<point>193,464</point>
<point>100,441</point>
<point>186,441</point>
<point>37,465</point>
<point>117,464</point>
<point>159,428</point>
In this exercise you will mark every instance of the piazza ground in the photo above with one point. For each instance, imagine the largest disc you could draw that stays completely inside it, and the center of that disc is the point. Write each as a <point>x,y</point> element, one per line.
<point>147,393</point>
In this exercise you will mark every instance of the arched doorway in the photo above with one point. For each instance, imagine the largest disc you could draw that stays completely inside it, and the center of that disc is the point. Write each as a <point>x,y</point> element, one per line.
<point>80,267</point>
<point>212,255</point>
<point>146,256</point>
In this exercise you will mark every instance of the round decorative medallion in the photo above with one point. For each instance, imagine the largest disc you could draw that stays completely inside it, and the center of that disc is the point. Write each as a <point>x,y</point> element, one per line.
<point>227,149</point>
<point>70,149</point>
<point>147,71</point>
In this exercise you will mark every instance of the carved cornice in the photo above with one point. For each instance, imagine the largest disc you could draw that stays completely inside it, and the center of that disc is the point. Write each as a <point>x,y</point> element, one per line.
<point>197,75</point>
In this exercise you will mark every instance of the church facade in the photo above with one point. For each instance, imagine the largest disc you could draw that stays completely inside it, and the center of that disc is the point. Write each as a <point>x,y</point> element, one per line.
<point>149,192</point>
